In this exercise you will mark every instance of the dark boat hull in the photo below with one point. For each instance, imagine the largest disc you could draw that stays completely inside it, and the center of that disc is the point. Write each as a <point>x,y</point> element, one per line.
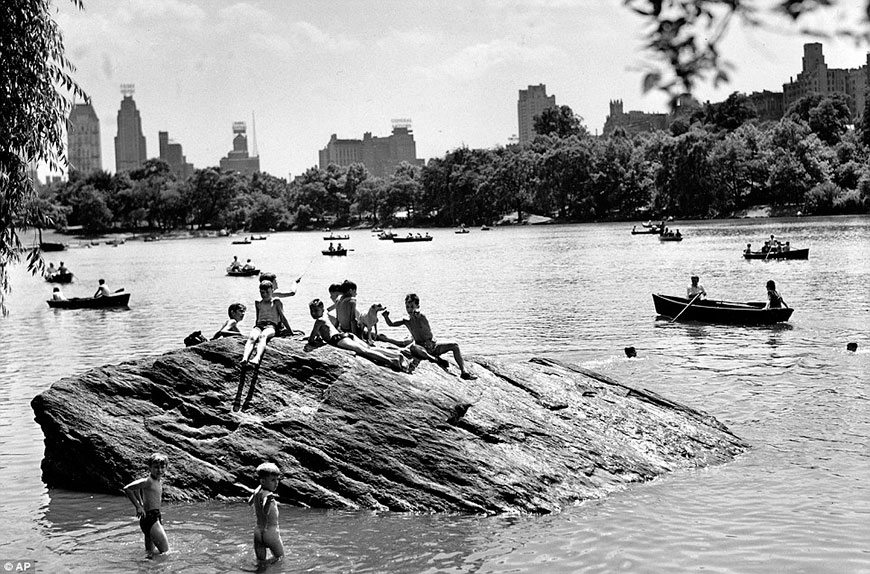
<point>47,246</point>
<point>411,239</point>
<point>721,312</point>
<point>243,273</point>
<point>119,300</point>
<point>335,252</point>
<point>337,238</point>
<point>670,237</point>
<point>60,278</point>
<point>653,231</point>
<point>793,254</point>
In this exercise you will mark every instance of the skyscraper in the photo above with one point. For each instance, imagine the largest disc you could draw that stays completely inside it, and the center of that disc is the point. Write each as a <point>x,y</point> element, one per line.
<point>238,159</point>
<point>380,155</point>
<point>83,139</point>
<point>130,151</point>
<point>171,153</point>
<point>532,102</point>
<point>817,78</point>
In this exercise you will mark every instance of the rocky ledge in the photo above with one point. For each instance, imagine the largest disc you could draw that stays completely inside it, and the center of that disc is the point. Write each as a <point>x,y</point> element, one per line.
<point>523,437</point>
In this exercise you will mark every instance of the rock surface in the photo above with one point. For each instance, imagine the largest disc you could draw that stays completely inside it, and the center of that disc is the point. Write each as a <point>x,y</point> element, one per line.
<point>523,437</point>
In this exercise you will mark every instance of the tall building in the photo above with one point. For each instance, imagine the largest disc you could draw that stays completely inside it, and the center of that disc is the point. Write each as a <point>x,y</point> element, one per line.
<point>531,103</point>
<point>130,150</point>
<point>380,155</point>
<point>238,159</point>
<point>171,153</point>
<point>634,121</point>
<point>817,78</point>
<point>83,139</point>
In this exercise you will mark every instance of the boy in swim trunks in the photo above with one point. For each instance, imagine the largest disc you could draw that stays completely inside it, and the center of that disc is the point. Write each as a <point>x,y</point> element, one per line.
<point>146,494</point>
<point>425,346</point>
<point>266,534</point>
<point>270,320</point>
<point>325,333</point>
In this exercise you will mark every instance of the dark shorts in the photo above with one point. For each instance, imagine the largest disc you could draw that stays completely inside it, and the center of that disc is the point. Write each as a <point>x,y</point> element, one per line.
<point>150,519</point>
<point>263,324</point>
<point>337,337</point>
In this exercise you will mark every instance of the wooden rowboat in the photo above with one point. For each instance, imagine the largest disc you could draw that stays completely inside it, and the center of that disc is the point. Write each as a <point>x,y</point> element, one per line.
<point>336,237</point>
<point>242,272</point>
<point>59,278</point>
<point>106,301</point>
<point>335,252</point>
<point>670,237</point>
<point>49,246</point>
<point>791,254</point>
<point>648,231</point>
<point>411,239</point>
<point>722,312</point>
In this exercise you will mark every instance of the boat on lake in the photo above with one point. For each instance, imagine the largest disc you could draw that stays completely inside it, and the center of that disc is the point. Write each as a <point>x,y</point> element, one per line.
<point>59,278</point>
<point>484,227</point>
<point>386,235</point>
<point>244,241</point>
<point>461,231</point>
<point>334,252</point>
<point>336,237</point>
<point>790,254</point>
<point>242,272</point>
<point>721,312</point>
<point>647,231</point>
<point>670,237</point>
<point>259,237</point>
<point>104,302</point>
<point>411,239</point>
<point>50,246</point>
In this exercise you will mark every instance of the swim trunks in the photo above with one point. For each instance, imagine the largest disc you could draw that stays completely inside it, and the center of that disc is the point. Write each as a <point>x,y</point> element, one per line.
<point>429,345</point>
<point>150,519</point>
<point>337,337</point>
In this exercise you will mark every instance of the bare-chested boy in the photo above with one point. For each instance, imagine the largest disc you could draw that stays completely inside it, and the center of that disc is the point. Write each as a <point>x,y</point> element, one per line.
<point>425,346</point>
<point>146,494</point>
<point>266,534</point>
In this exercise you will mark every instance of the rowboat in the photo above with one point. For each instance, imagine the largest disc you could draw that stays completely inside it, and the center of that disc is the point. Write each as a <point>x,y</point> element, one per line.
<point>791,254</point>
<point>649,231</point>
<point>59,278</point>
<point>49,246</point>
<point>334,252</point>
<point>670,237</point>
<point>484,228</point>
<point>259,237</point>
<point>411,239</point>
<point>722,312</point>
<point>244,241</point>
<point>106,301</point>
<point>461,231</point>
<point>336,238</point>
<point>242,272</point>
<point>386,235</point>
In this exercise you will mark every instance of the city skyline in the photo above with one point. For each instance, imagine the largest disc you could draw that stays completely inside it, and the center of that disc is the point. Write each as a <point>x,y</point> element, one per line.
<point>455,70</point>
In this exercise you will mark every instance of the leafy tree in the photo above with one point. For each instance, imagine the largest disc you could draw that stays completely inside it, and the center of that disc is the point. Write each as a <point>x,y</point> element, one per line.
<point>560,122</point>
<point>35,98</point>
<point>827,116</point>
<point>210,194</point>
<point>730,114</point>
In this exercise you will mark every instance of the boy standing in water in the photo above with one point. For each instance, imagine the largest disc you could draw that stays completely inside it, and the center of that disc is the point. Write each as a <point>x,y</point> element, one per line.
<point>424,345</point>
<point>266,534</point>
<point>146,494</point>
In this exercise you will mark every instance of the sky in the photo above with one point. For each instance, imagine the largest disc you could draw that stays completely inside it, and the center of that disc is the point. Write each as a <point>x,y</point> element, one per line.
<point>303,71</point>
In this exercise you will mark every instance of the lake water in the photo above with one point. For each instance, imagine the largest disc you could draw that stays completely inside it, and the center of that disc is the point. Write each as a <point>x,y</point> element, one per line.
<point>798,501</point>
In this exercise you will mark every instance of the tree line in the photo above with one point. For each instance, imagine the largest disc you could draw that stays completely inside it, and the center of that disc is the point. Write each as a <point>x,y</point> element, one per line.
<point>713,162</point>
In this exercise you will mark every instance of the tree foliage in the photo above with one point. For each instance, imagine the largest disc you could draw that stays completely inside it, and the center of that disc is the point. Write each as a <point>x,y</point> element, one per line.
<point>36,87</point>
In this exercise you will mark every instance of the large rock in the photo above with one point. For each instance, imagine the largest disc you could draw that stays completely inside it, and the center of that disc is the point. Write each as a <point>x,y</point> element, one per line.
<point>528,437</point>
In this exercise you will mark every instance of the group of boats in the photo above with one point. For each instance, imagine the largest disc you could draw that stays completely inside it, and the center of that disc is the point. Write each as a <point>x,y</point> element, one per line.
<point>663,232</point>
<point>733,312</point>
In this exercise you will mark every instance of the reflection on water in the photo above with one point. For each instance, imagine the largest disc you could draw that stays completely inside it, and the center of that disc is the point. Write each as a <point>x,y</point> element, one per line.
<point>581,293</point>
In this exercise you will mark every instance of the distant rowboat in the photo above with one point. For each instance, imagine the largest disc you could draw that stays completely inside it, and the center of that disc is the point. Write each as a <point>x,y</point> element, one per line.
<point>106,301</point>
<point>722,312</point>
<point>791,254</point>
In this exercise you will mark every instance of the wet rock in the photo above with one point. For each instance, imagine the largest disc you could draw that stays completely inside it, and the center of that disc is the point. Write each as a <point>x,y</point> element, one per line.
<point>523,437</point>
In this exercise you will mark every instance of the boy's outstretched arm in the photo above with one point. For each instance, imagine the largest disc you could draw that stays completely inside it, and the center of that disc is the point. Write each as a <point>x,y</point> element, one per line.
<point>386,314</point>
<point>313,338</point>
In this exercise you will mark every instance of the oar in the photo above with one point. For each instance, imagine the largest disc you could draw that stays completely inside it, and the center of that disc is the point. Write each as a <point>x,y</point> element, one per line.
<point>686,307</point>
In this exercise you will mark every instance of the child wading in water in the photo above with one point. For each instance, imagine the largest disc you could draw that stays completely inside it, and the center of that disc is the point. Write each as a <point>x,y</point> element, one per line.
<point>266,534</point>
<point>325,333</point>
<point>270,320</point>
<point>424,345</point>
<point>146,494</point>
